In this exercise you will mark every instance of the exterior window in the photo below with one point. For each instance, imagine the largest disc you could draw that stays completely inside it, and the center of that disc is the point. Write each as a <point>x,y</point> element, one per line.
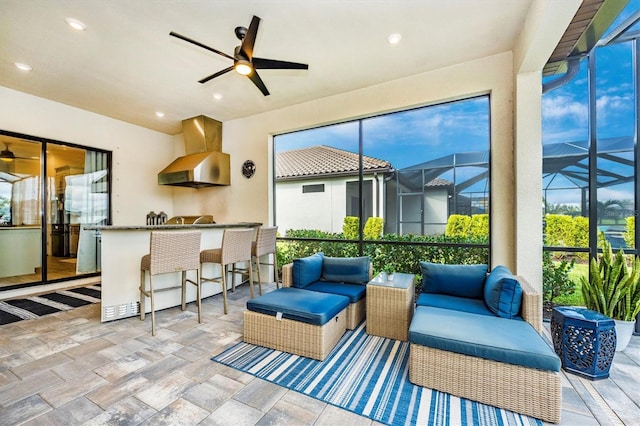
<point>312,188</point>
<point>419,176</point>
<point>353,199</point>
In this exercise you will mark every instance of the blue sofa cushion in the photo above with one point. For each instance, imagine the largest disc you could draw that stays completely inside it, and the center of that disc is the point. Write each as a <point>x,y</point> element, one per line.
<point>464,304</point>
<point>307,270</point>
<point>489,337</point>
<point>502,292</point>
<point>299,305</point>
<point>354,292</point>
<point>354,270</point>
<point>454,280</point>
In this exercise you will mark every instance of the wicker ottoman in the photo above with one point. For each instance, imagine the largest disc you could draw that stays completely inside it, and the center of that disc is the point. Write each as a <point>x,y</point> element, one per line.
<point>296,321</point>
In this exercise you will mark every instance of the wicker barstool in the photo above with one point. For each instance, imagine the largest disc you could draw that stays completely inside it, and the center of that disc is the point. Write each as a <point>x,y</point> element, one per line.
<point>170,251</point>
<point>265,244</point>
<point>236,247</point>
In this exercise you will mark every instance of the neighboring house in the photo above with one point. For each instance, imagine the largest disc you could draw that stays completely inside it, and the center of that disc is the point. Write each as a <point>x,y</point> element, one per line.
<point>317,187</point>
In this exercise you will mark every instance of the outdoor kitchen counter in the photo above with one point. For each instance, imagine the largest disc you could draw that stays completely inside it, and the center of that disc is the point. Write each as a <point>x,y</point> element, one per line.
<point>122,247</point>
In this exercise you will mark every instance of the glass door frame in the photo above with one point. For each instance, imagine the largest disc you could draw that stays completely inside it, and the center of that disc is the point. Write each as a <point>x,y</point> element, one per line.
<point>44,235</point>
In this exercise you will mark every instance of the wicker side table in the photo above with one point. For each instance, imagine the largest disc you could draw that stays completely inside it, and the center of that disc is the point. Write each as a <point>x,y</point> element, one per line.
<point>584,340</point>
<point>390,305</point>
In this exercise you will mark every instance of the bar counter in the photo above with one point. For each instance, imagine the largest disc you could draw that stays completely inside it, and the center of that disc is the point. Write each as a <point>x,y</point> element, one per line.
<point>122,247</point>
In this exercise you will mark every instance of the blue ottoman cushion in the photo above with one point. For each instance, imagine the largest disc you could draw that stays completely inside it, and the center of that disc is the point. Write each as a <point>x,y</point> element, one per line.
<point>307,270</point>
<point>474,306</point>
<point>299,305</point>
<point>354,292</point>
<point>454,280</point>
<point>489,337</point>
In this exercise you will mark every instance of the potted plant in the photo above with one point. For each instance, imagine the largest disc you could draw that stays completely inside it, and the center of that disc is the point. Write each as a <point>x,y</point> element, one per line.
<point>389,269</point>
<point>614,290</point>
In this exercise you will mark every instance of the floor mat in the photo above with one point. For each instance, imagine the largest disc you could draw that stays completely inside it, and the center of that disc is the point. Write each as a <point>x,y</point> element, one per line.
<point>35,306</point>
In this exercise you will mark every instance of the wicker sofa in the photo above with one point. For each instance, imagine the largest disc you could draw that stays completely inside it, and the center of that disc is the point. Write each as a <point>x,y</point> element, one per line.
<point>476,335</point>
<point>345,276</point>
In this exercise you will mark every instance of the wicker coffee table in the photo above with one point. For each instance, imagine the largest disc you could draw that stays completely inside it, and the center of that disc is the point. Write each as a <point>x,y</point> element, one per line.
<point>390,305</point>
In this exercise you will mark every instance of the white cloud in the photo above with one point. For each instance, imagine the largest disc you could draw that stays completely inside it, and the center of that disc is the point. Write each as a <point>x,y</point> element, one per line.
<point>564,108</point>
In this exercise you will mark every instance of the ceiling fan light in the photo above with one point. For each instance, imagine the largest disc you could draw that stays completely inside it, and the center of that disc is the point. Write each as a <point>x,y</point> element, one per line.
<point>22,66</point>
<point>7,156</point>
<point>243,67</point>
<point>76,24</point>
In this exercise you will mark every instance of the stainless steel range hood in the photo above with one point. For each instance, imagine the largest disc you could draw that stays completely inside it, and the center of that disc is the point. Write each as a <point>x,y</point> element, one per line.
<point>205,164</point>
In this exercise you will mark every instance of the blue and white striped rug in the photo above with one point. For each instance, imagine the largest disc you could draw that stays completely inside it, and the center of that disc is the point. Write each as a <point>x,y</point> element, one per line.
<point>367,375</point>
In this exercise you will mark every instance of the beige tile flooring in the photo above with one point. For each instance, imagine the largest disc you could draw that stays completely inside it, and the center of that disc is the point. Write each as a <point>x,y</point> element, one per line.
<point>68,368</point>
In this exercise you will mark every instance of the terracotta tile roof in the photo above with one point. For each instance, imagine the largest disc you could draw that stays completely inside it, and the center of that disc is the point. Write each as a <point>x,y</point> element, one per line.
<point>324,161</point>
<point>438,182</point>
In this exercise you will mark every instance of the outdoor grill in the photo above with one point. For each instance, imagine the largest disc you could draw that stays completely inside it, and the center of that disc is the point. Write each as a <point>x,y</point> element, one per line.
<point>190,220</point>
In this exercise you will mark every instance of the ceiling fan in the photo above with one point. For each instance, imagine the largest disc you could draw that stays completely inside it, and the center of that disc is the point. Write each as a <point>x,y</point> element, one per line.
<point>243,60</point>
<point>7,155</point>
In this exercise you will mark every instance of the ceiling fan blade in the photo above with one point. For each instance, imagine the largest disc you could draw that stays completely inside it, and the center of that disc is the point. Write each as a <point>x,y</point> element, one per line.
<point>246,48</point>
<point>197,43</point>
<point>212,76</point>
<point>258,82</point>
<point>274,64</point>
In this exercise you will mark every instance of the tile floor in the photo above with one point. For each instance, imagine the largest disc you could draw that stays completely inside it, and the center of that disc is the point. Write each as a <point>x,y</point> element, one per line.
<point>68,368</point>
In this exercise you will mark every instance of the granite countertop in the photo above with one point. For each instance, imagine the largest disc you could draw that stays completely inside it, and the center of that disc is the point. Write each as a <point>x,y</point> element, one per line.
<point>167,227</point>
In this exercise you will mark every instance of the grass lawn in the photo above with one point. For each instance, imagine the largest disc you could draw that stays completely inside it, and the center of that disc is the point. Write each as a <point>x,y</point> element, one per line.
<point>575,299</point>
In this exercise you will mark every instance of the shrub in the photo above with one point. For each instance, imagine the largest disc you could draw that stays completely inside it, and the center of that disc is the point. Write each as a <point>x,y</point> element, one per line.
<point>559,230</point>
<point>373,228</point>
<point>479,226</point>
<point>555,278</point>
<point>458,225</point>
<point>630,235</point>
<point>350,227</point>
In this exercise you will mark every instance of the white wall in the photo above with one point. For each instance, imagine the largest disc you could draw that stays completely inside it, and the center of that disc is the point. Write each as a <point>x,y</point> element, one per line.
<point>138,153</point>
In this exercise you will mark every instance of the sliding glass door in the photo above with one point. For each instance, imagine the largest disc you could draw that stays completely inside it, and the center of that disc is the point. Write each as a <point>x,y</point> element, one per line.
<point>48,191</point>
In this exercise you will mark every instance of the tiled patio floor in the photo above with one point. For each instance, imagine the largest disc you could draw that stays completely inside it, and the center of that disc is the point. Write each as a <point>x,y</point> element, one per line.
<point>68,368</point>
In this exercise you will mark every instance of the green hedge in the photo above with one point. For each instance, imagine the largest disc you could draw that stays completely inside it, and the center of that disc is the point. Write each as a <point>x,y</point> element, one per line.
<point>630,235</point>
<point>463,226</point>
<point>403,257</point>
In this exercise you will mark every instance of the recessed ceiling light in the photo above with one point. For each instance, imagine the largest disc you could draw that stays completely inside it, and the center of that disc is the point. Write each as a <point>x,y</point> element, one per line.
<point>76,24</point>
<point>217,96</point>
<point>394,38</point>
<point>23,67</point>
<point>159,114</point>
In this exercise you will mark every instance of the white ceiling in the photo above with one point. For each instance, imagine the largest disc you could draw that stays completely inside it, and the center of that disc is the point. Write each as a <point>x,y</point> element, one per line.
<point>126,66</point>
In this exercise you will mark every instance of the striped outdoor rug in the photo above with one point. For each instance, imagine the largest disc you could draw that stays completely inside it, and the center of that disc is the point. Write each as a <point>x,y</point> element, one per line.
<point>367,375</point>
<point>44,304</point>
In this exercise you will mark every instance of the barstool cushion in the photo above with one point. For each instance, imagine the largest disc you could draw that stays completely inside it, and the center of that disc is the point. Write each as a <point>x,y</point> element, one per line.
<point>299,305</point>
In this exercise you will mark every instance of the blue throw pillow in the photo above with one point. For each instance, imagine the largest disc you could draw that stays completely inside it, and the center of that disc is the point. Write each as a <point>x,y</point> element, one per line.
<point>307,270</point>
<point>502,293</point>
<point>454,280</point>
<point>353,270</point>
